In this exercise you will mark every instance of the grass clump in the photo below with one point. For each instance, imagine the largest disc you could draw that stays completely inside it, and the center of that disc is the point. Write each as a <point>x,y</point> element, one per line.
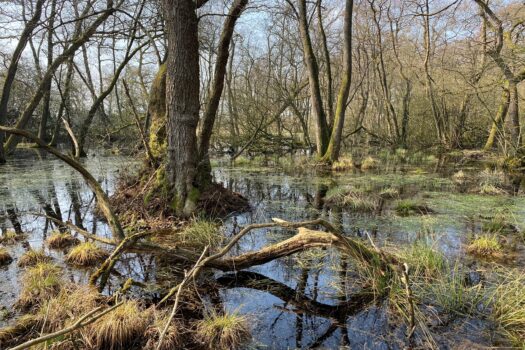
<point>16,333</point>
<point>86,254</point>
<point>59,240</point>
<point>369,163</point>
<point>491,182</point>
<point>119,329</point>
<point>39,283</point>
<point>5,257</point>
<point>342,164</point>
<point>72,302</point>
<point>389,193</point>
<point>196,235</point>
<point>10,237</point>
<point>223,331</point>
<point>485,245</point>
<point>409,207</point>
<point>353,198</point>
<point>423,260</point>
<point>172,339</point>
<point>508,308</point>
<point>33,257</point>
<point>449,291</point>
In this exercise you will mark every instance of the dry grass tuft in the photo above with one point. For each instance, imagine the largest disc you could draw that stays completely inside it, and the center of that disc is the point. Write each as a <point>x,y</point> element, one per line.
<point>68,305</point>
<point>343,164</point>
<point>11,237</point>
<point>86,254</point>
<point>5,257</point>
<point>370,163</point>
<point>120,329</point>
<point>172,339</point>
<point>39,283</point>
<point>16,333</point>
<point>60,240</point>
<point>33,257</point>
<point>196,235</point>
<point>223,331</point>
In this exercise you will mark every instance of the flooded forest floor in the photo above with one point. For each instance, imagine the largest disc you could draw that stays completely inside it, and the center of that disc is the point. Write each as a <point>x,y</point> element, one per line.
<point>456,224</point>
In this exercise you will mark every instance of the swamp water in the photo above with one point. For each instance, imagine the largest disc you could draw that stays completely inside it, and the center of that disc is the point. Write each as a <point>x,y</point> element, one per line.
<point>298,301</point>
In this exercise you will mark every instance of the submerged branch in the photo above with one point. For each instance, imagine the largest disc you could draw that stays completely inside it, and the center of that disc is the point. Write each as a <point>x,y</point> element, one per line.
<point>102,198</point>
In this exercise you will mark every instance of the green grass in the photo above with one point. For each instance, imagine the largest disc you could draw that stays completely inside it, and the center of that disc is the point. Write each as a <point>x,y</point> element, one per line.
<point>423,260</point>
<point>485,245</point>
<point>449,291</point>
<point>408,207</point>
<point>508,308</point>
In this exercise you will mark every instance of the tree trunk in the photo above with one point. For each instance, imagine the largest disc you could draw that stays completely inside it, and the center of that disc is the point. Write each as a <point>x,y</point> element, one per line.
<point>78,41</point>
<point>13,67</point>
<point>210,112</point>
<point>182,102</point>
<point>46,112</point>
<point>514,119</point>
<point>498,121</point>
<point>322,132</point>
<point>332,152</point>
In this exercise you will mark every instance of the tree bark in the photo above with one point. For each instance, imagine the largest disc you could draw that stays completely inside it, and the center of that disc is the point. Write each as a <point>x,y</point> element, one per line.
<point>322,132</point>
<point>37,97</point>
<point>46,112</point>
<point>210,113</point>
<point>334,147</point>
<point>182,102</point>
<point>13,67</point>
<point>498,120</point>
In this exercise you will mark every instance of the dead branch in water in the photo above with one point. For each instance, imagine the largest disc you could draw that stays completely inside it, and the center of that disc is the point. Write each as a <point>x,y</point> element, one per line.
<point>102,198</point>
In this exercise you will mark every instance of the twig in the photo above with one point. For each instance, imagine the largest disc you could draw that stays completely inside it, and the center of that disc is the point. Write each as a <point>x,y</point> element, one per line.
<point>191,274</point>
<point>83,321</point>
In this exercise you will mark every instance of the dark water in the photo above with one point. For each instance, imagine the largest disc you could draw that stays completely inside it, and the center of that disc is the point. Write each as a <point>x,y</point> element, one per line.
<point>294,302</point>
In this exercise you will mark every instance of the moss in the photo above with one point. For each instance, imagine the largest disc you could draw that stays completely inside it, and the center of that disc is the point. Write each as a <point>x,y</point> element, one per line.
<point>86,254</point>
<point>39,283</point>
<point>59,240</point>
<point>33,257</point>
<point>223,331</point>
<point>5,257</point>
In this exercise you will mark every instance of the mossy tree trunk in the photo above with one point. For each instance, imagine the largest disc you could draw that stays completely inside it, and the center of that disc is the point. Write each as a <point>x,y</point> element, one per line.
<point>334,146</point>
<point>498,120</point>
<point>182,102</point>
